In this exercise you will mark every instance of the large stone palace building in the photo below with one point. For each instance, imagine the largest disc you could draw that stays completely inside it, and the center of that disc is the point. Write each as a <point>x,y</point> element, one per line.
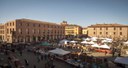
<point>114,31</point>
<point>26,30</point>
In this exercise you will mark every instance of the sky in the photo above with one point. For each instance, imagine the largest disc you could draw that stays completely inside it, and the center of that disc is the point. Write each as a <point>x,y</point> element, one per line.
<point>80,12</point>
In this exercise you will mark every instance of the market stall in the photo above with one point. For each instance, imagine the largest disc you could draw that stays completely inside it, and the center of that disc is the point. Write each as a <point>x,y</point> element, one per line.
<point>59,51</point>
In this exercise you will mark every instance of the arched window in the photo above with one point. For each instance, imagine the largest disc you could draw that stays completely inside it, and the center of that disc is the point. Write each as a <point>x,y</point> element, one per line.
<point>20,31</point>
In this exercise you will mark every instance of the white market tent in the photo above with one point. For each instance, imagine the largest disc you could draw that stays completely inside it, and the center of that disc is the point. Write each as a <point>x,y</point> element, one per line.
<point>125,43</point>
<point>101,46</point>
<point>64,41</point>
<point>73,41</point>
<point>94,38</point>
<point>83,38</point>
<point>107,40</point>
<point>103,41</point>
<point>104,46</point>
<point>122,60</point>
<point>91,42</point>
<point>59,51</point>
<point>87,39</point>
<point>95,45</point>
<point>85,42</point>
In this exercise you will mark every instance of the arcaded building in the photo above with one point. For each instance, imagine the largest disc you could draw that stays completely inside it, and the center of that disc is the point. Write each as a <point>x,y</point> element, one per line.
<point>26,30</point>
<point>115,31</point>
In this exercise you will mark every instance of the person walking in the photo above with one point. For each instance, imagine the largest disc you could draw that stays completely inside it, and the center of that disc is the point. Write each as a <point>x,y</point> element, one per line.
<point>38,59</point>
<point>26,62</point>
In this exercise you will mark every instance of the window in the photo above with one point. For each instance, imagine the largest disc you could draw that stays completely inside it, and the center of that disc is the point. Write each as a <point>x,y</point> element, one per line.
<point>2,32</point>
<point>34,31</point>
<point>48,31</point>
<point>114,28</point>
<point>10,30</point>
<point>10,24</point>
<point>100,32</point>
<point>44,32</point>
<point>27,31</point>
<point>13,23</point>
<point>39,25</point>
<point>7,24</point>
<point>106,28</point>
<point>114,33</point>
<point>120,33</point>
<point>39,31</point>
<point>7,31</point>
<point>94,28</point>
<point>3,37</point>
<point>44,26</point>
<point>51,26</point>
<point>94,33</point>
<point>13,29</point>
<point>20,31</point>
<point>27,24</point>
<point>120,28</point>
<point>100,28</point>
<point>33,25</point>
<point>106,32</point>
<point>20,24</point>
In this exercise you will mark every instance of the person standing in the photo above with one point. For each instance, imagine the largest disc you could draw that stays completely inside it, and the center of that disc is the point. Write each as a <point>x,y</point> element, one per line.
<point>26,62</point>
<point>38,59</point>
<point>42,56</point>
<point>34,66</point>
<point>105,52</point>
<point>20,53</point>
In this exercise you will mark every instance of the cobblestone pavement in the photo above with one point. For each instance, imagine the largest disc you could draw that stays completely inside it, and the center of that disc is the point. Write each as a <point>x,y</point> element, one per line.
<point>32,60</point>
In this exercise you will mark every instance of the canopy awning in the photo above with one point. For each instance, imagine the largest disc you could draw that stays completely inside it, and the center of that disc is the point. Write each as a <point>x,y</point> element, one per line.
<point>59,51</point>
<point>104,46</point>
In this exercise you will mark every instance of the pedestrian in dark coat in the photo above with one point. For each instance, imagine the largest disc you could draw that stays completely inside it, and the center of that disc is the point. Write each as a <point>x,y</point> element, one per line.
<point>38,59</point>
<point>42,57</point>
<point>26,62</point>
<point>20,53</point>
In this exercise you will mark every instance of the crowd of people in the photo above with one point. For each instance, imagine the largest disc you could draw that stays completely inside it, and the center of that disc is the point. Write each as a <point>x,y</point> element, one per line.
<point>78,58</point>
